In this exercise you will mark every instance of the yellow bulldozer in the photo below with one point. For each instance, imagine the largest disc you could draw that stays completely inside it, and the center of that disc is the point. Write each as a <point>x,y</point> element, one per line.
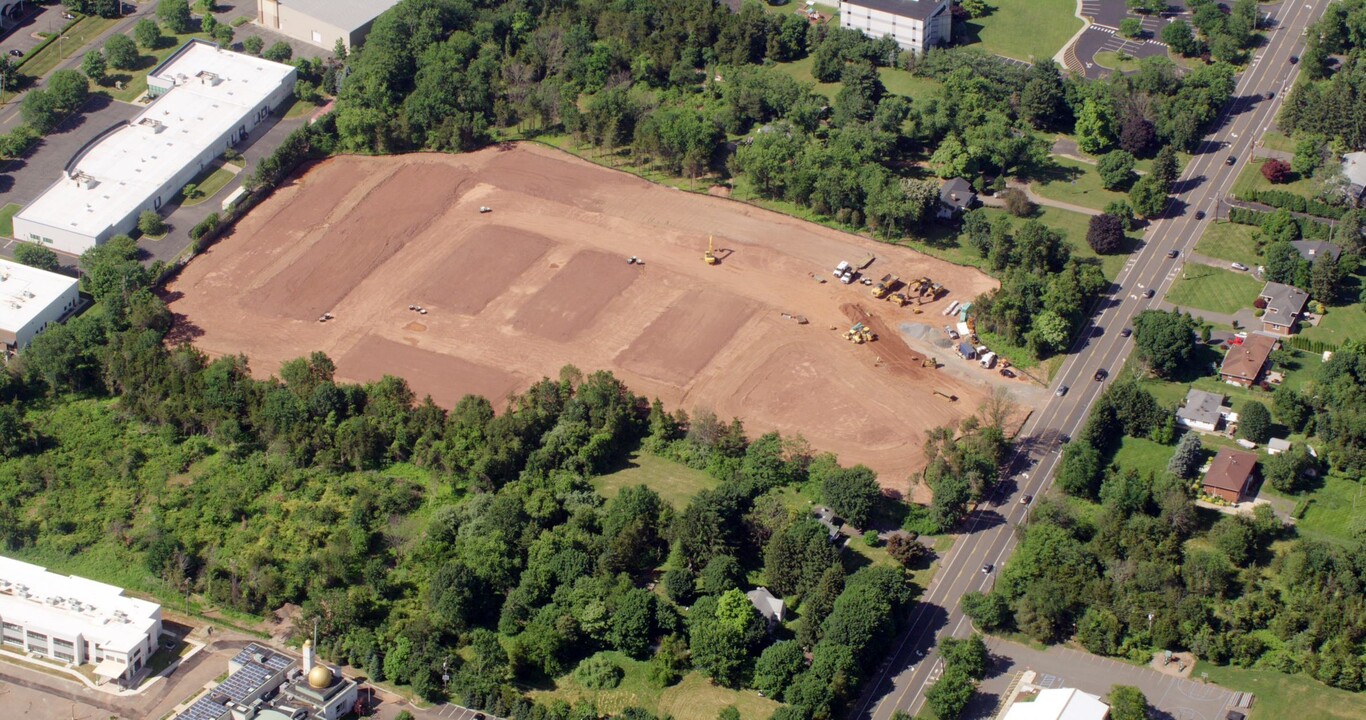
<point>710,255</point>
<point>860,334</point>
<point>885,285</point>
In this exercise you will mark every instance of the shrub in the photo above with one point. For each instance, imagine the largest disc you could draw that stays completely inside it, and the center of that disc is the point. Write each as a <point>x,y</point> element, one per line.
<point>205,226</point>
<point>906,548</point>
<point>18,141</point>
<point>1259,303</point>
<point>1254,422</point>
<point>1017,203</point>
<point>150,223</point>
<point>871,539</point>
<point>598,673</point>
<point>1276,171</point>
<point>279,52</point>
<point>253,45</point>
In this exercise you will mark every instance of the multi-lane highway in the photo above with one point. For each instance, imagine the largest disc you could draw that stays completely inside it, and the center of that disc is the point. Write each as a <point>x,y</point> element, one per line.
<point>989,535</point>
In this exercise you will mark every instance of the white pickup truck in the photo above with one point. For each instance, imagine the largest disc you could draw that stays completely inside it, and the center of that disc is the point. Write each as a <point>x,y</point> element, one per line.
<point>845,272</point>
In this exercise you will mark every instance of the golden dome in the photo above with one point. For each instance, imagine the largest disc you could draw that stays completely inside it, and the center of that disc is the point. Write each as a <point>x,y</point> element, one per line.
<point>319,677</point>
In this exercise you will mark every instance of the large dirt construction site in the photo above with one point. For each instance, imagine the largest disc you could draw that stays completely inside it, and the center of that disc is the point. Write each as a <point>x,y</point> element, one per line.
<point>543,280</point>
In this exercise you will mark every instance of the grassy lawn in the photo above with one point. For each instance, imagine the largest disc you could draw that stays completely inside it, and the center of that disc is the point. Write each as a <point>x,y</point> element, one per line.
<point>1339,324</point>
<point>801,71</point>
<point>1251,179</point>
<point>1287,696</point>
<point>901,82</point>
<point>1214,289</point>
<point>1277,140</point>
<point>298,108</point>
<point>1143,455</point>
<point>7,214</point>
<point>135,80</point>
<point>693,698</point>
<point>1116,61</point>
<point>1230,241</point>
<point>1076,183</point>
<point>1334,513</point>
<point>1025,29</point>
<point>674,482</point>
<point>209,186</point>
<point>47,59</point>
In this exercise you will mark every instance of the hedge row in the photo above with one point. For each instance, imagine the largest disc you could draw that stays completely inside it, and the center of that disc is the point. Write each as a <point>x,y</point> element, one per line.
<point>1309,229</point>
<point>1313,346</point>
<point>1294,203</point>
<point>49,40</point>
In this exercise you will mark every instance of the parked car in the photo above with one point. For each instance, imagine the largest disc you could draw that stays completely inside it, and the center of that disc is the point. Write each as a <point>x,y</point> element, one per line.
<point>1062,390</point>
<point>16,53</point>
<point>1239,266</point>
<point>1101,374</point>
<point>1148,293</point>
<point>953,334</point>
<point>1126,332</point>
<point>1173,253</point>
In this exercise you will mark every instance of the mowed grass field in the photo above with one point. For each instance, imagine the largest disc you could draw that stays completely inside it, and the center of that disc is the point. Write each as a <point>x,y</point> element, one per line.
<point>1232,242</point>
<point>1282,696</point>
<point>692,698</point>
<point>7,214</point>
<point>1077,183</point>
<point>1025,29</point>
<point>1214,289</point>
<point>1251,179</point>
<point>674,482</point>
<point>1336,511</point>
<point>1339,324</point>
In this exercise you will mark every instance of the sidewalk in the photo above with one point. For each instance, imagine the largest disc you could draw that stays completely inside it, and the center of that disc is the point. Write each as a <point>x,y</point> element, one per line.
<point>996,201</point>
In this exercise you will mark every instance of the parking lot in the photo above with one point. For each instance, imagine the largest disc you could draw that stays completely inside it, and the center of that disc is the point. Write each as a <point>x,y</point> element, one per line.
<point>456,712</point>
<point>1173,698</point>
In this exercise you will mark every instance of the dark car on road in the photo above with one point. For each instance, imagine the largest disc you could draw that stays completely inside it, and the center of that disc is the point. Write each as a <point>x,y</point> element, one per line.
<point>1101,374</point>
<point>1148,293</point>
<point>1199,214</point>
<point>16,53</point>
<point>1294,59</point>
<point>1062,390</point>
<point>1230,160</point>
<point>986,569</point>
<point>1126,332</point>
<point>1173,253</point>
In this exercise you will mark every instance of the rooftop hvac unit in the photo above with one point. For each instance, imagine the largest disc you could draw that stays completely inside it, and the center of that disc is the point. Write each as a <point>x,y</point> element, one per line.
<point>156,126</point>
<point>208,78</point>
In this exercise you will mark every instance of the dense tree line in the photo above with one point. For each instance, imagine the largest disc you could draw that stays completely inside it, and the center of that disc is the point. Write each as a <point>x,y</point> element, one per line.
<point>424,540</point>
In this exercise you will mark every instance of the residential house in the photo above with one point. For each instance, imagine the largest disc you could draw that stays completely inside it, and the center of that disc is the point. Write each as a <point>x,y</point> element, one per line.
<point>1204,411</point>
<point>1230,475</point>
<point>1284,304</point>
<point>770,607</point>
<point>826,516</point>
<point>1247,361</point>
<point>1312,250</point>
<point>916,25</point>
<point>955,197</point>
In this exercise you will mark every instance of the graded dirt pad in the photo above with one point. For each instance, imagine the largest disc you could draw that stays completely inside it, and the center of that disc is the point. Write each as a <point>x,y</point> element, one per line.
<point>576,295</point>
<point>542,281</point>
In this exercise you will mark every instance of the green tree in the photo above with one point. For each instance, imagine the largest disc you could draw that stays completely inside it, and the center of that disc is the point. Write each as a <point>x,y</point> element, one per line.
<point>778,665</point>
<point>1309,155</point>
<point>853,494</point>
<point>1080,470</point>
<point>1286,471</point>
<point>1187,458</point>
<point>1254,422</point>
<point>598,673</point>
<point>951,694</point>
<point>1324,279</point>
<point>36,256</point>
<point>722,573</point>
<point>1127,703</point>
<point>174,15</point>
<point>150,223</point>
<point>68,89</point>
<point>1147,197</point>
<point>1050,333</point>
<point>1093,128</point>
<point>121,52</point>
<point>253,45</point>
<point>147,34</point>
<point>669,663</point>
<point>1178,36</point>
<point>1166,341</point>
<point>1116,169</point>
<point>280,52</point>
<point>1166,168</point>
<point>1099,631</point>
<point>968,655</point>
<point>94,67</point>
<point>1130,27</point>
<point>989,611</point>
<point>1043,102</point>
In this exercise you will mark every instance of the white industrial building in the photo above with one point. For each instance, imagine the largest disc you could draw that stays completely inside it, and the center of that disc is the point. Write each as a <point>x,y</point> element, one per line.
<point>322,22</point>
<point>76,621</point>
<point>207,99</point>
<point>916,25</point>
<point>30,300</point>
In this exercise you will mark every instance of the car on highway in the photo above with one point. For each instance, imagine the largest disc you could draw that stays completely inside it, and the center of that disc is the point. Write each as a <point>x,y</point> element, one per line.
<point>1126,332</point>
<point>986,569</point>
<point>1230,160</point>
<point>1239,266</point>
<point>1062,390</point>
<point>1199,214</point>
<point>1101,374</point>
<point>1270,94</point>
<point>1294,59</point>
<point>1025,499</point>
<point>1173,253</point>
<point>1148,293</point>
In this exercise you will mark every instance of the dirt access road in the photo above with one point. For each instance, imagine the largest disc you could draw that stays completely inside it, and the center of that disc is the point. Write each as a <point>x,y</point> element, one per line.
<point>543,280</point>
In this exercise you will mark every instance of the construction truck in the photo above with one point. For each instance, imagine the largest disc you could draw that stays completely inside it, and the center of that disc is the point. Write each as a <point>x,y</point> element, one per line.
<point>885,285</point>
<point>900,299</point>
<point>710,255</point>
<point>845,272</point>
<point>860,334</point>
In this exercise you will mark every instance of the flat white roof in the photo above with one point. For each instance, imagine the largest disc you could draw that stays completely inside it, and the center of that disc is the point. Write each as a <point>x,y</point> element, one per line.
<point>346,14</point>
<point>26,291</point>
<point>30,595</point>
<point>1354,167</point>
<point>1059,704</point>
<point>214,90</point>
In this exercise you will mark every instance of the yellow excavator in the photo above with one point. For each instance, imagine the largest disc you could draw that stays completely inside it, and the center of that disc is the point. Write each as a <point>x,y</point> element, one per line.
<point>710,255</point>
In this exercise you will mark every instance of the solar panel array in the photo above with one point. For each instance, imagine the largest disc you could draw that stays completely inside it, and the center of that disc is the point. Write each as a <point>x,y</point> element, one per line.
<point>203,709</point>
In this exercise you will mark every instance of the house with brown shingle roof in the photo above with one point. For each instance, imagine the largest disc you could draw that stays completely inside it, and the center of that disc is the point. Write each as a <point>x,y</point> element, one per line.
<point>1230,475</point>
<point>1245,363</point>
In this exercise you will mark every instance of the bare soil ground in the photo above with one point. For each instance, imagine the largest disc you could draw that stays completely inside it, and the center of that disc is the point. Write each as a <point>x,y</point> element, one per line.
<point>542,281</point>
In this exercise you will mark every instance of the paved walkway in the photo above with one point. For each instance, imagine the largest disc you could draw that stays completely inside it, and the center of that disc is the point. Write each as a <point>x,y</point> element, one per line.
<point>996,201</point>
